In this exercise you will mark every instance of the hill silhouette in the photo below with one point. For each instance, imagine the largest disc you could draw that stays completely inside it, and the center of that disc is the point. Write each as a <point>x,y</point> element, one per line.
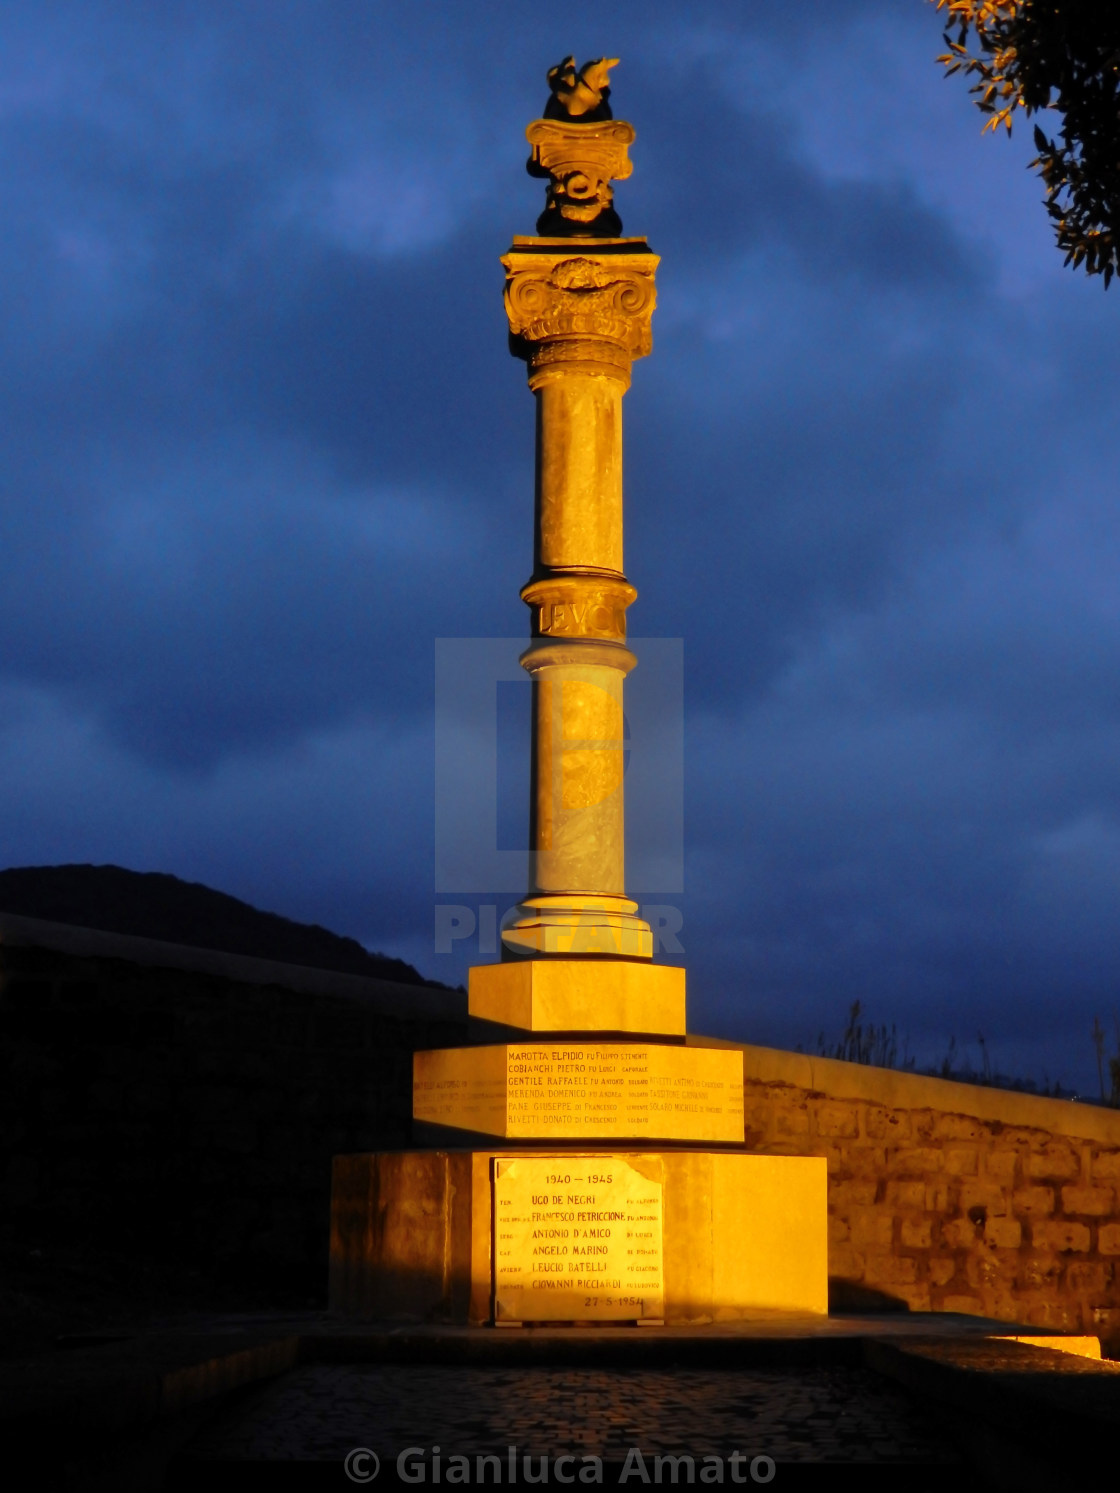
<point>152,904</point>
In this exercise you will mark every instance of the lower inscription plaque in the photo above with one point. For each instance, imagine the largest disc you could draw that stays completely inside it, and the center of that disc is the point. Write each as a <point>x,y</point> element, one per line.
<point>578,1238</point>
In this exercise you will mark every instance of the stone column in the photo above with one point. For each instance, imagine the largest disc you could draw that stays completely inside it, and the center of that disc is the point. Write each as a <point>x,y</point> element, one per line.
<point>579,313</point>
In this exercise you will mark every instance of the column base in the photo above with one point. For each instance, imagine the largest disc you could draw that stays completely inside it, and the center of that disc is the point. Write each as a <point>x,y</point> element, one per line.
<point>559,923</point>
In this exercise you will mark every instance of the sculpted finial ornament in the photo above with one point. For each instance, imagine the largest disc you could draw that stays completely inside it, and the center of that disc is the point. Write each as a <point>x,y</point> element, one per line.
<point>581,95</point>
<point>581,149</point>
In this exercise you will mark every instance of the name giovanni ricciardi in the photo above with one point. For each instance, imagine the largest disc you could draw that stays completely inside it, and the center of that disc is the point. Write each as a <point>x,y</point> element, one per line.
<point>418,1464</point>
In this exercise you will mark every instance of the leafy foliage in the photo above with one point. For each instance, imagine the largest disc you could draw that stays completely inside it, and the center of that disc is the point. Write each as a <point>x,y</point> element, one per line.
<point>1062,55</point>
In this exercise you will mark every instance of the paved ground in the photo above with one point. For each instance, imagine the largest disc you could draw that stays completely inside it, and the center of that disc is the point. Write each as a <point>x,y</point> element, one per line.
<point>277,1402</point>
<point>319,1413</point>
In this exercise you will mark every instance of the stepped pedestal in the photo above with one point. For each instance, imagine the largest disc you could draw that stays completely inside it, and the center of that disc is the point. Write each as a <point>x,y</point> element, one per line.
<point>577,1181</point>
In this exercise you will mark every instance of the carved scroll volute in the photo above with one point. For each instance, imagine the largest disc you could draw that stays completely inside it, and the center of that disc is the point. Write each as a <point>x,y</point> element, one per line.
<point>580,160</point>
<point>573,297</point>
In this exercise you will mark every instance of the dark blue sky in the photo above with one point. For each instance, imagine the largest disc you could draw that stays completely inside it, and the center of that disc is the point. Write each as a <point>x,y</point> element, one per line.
<point>263,444</point>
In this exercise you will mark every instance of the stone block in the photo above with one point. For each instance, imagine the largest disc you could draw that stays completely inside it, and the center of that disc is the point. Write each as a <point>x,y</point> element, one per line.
<point>1032,1202</point>
<point>914,1233</point>
<point>1022,1135</point>
<point>959,1233</point>
<point>901,1193</point>
<point>1001,1165</point>
<point>937,1197</point>
<point>758,1119</point>
<point>960,1161</point>
<point>845,1263</point>
<point>1097,1201</point>
<point>967,1306</point>
<point>858,1192</point>
<point>915,1160</point>
<point>871,1228</point>
<point>790,1121</point>
<point>1054,1163</point>
<point>580,995</point>
<point>864,1161</point>
<point>1039,1270</point>
<point>887,1124</point>
<point>941,1271</point>
<point>958,1127</point>
<point>1061,1235</point>
<point>1106,1164</point>
<point>890,1270</point>
<point>983,1194</point>
<point>1108,1239</point>
<point>990,1270</point>
<point>1087,1277</point>
<point>582,1090</point>
<point>413,1234</point>
<point>1000,1302</point>
<point>837,1120</point>
<point>1003,1233</point>
<point>1049,1311</point>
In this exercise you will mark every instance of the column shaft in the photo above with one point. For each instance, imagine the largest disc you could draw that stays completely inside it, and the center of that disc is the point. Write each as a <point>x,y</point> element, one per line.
<point>577,818</point>
<point>579,473</point>
<point>579,316</point>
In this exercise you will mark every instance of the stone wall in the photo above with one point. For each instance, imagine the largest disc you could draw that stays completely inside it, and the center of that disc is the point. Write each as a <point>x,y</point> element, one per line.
<point>952,1197</point>
<point>181,1107</point>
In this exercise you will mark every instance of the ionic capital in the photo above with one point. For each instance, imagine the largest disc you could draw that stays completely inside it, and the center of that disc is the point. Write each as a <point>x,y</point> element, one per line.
<point>587,308</point>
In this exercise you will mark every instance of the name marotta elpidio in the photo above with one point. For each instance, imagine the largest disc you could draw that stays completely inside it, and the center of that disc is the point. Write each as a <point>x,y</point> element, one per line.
<point>601,1089</point>
<point>577,1237</point>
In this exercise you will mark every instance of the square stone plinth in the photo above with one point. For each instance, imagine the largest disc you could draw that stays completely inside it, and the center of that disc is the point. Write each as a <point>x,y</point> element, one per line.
<point>580,995</point>
<point>576,1091</point>
<point>419,1235</point>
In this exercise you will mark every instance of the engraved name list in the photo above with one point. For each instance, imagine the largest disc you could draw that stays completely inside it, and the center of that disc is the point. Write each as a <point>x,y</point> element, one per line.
<point>578,1238</point>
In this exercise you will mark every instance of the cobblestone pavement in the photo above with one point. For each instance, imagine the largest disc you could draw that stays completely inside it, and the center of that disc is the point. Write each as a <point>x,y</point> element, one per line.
<point>806,1415</point>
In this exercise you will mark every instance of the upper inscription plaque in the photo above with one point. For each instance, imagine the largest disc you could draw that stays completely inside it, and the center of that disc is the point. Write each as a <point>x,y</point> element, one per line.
<point>578,1238</point>
<point>574,1091</point>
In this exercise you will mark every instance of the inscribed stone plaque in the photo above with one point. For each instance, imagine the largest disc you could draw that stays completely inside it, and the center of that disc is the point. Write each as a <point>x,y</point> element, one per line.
<point>589,1089</point>
<point>578,1238</point>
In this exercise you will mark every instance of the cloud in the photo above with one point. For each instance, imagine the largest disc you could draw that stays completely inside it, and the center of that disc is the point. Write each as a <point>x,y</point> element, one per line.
<point>265,443</point>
